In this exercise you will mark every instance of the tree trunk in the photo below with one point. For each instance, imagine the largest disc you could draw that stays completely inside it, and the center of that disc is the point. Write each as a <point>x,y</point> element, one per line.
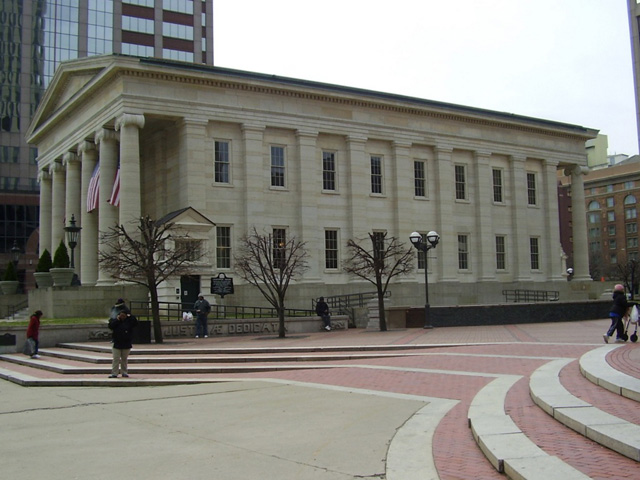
<point>381,313</point>
<point>155,313</point>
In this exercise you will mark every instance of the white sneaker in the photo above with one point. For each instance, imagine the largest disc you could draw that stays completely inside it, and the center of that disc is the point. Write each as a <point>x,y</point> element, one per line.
<point>206,336</point>
<point>327,328</point>
<point>197,336</point>
<point>35,356</point>
<point>606,338</point>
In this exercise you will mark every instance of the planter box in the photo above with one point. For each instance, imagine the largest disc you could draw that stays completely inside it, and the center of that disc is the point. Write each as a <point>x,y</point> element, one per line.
<point>43,279</point>
<point>9,287</point>
<point>62,277</point>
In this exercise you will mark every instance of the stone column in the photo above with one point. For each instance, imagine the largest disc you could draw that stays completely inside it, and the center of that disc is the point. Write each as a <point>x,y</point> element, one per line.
<point>193,167</point>
<point>551,241</point>
<point>402,193</point>
<point>306,173</point>
<point>358,189</point>
<point>72,197</point>
<point>107,214</point>
<point>579,220</point>
<point>519,242</point>
<point>484,243</point>
<point>57,206</point>
<point>44,178</point>
<point>88,220</point>
<point>130,194</point>
<point>446,267</point>
<point>254,176</point>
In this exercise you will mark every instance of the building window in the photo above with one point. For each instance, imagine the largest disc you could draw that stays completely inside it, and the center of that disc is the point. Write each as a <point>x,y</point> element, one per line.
<point>180,6</point>
<point>630,213</point>
<point>419,179</point>
<point>378,244</point>
<point>497,185</point>
<point>136,24</point>
<point>174,30</point>
<point>193,249</point>
<point>611,216</point>
<point>137,50</point>
<point>629,185</point>
<point>593,205</point>
<point>612,244</point>
<point>461,182</point>
<point>632,242</point>
<point>422,264</point>
<point>609,189</point>
<point>501,254</point>
<point>614,258</point>
<point>531,189</point>
<point>179,55</point>
<point>329,171</point>
<point>612,230</point>
<point>376,174</point>
<point>223,247</point>
<point>632,227</point>
<point>610,202</point>
<point>629,200</point>
<point>221,162</point>
<point>279,239</point>
<point>594,232</point>
<point>594,247</point>
<point>534,249</point>
<point>594,218</point>
<point>277,166</point>
<point>463,252</point>
<point>331,249</point>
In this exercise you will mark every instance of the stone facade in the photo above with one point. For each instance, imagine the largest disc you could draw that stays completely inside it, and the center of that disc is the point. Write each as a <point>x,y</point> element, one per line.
<point>322,162</point>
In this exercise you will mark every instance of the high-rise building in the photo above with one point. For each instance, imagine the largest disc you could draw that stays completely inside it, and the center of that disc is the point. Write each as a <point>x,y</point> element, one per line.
<point>634,28</point>
<point>35,36</point>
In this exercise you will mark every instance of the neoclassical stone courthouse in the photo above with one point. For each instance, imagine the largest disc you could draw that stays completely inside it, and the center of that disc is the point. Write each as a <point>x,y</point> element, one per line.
<point>224,151</point>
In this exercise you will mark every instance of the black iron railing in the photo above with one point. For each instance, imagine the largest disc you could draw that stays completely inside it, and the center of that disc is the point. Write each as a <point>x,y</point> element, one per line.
<point>530,296</point>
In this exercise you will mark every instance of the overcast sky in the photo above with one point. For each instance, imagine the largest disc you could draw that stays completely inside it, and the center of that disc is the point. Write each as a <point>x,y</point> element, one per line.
<point>562,60</point>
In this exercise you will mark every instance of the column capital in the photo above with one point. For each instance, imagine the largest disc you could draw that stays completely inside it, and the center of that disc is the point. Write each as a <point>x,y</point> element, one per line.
<point>130,119</point>
<point>248,127</point>
<point>576,170</point>
<point>517,158</point>
<point>69,158</point>
<point>402,144</point>
<point>443,149</point>
<point>85,146</point>
<point>105,135</point>
<point>307,133</point>
<point>56,167</point>
<point>43,176</point>
<point>482,153</point>
<point>354,139</point>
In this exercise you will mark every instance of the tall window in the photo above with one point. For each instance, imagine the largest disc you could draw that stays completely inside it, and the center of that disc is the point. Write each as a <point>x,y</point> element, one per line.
<point>497,185</point>
<point>632,227</point>
<point>279,239</point>
<point>223,247</point>
<point>501,253</point>
<point>221,162</point>
<point>610,202</point>
<point>193,249</point>
<point>534,249</point>
<point>376,174</point>
<point>422,259</point>
<point>378,244</point>
<point>463,252</point>
<point>328,171</point>
<point>611,216</point>
<point>277,166</point>
<point>419,179</point>
<point>461,182</point>
<point>331,249</point>
<point>531,189</point>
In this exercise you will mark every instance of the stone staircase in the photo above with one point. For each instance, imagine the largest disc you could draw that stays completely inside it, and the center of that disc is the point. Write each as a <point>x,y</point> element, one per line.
<point>569,391</point>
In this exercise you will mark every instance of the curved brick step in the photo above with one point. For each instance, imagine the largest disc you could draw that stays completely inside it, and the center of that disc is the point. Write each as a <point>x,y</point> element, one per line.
<point>503,443</point>
<point>608,430</point>
<point>595,368</point>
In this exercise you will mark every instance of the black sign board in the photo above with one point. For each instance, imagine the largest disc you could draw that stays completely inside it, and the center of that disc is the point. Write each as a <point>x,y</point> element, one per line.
<point>222,285</point>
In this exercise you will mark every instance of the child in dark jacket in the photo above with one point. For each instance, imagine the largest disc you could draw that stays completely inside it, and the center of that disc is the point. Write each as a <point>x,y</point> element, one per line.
<point>618,310</point>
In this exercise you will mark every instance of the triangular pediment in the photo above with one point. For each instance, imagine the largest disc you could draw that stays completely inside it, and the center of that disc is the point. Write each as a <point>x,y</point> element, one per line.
<point>188,219</point>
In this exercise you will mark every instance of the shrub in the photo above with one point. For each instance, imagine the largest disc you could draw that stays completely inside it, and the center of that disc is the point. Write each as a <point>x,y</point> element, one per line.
<point>44,262</point>
<point>61,257</point>
<point>10,274</point>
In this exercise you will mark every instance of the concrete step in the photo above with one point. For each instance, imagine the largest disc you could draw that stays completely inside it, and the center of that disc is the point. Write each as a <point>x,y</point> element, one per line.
<point>608,430</point>
<point>595,368</point>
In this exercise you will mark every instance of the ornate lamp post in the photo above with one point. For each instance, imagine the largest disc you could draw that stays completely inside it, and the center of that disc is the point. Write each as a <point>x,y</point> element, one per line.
<point>432,240</point>
<point>73,232</point>
<point>15,254</point>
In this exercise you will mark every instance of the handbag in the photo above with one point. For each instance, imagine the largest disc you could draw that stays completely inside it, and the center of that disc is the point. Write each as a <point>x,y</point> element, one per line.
<point>29,347</point>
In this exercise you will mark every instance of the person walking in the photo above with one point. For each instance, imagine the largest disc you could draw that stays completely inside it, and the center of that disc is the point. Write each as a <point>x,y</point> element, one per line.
<point>322,310</point>
<point>618,310</point>
<point>33,331</point>
<point>122,327</point>
<point>202,308</point>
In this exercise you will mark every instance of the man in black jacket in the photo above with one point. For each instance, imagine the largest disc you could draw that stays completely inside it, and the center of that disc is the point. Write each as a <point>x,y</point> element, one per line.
<point>122,327</point>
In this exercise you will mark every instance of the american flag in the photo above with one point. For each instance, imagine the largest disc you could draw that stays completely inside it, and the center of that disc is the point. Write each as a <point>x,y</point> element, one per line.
<point>93,193</point>
<point>115,193</point>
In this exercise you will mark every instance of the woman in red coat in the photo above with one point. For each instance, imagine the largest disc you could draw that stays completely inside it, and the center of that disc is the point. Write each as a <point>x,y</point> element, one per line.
<point>33,330</point>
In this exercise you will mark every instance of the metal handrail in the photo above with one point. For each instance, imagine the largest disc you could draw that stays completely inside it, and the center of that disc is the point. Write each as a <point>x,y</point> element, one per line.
<point>171,311</point>
<point>12,309</point>
<point>342,302</point>
<point>531,296</point>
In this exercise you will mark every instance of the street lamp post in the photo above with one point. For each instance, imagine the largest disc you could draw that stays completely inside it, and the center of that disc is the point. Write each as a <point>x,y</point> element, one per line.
<point>15,254</point>
<point>432,240</point>
<point>73,232</point>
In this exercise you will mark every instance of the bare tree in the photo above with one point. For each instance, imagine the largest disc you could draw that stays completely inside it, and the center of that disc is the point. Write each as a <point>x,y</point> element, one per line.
<point>270,264</point>
<point>386,259</point>
<point>629,273</point>
<point>148,255</point>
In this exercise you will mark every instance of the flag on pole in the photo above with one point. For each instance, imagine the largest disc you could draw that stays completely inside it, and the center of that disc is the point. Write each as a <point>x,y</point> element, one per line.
<point>115,193</point>
<point>93,192</point>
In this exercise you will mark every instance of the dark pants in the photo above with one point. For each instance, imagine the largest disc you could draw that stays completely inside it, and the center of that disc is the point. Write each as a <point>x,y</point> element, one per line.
<point>201,326</point>
<point>326,318</point>
<point>616,324</point>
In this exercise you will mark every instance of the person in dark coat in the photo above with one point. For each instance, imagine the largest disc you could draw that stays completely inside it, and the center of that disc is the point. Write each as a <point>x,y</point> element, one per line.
<point>33,331</point>
<point>122,327</point>
<point>618,310</point>
<point>119,306</point>
<point>202,308</point>
<point>322,310</point>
